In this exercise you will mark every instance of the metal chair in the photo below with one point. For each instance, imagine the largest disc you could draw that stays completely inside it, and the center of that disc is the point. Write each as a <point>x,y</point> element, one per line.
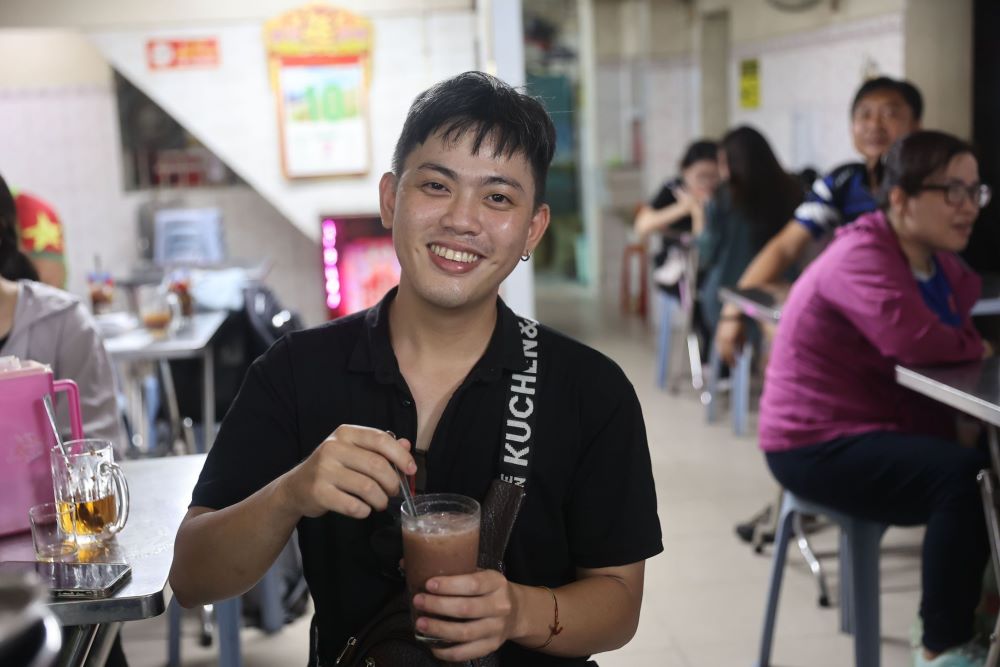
<point>670,308</point>
<point>859,578</point>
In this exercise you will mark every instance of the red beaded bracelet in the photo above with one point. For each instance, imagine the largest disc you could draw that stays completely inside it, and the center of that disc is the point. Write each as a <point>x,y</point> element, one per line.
<point>555,628</point>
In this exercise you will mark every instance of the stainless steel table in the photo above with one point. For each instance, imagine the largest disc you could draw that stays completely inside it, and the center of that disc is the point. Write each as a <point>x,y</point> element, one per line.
<point>975,390</point>
<point>192,341</point>
<point>761,305</point>
<point>989,300</point>
<point>160,491</point>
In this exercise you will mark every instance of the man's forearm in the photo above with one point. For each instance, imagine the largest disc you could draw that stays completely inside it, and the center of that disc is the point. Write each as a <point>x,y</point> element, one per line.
<point>222,553</point>
<point>596,614</point>
<point>775,258</point>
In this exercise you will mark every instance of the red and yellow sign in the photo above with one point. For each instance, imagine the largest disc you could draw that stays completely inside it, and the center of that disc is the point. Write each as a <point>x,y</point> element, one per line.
<point>182,53</point>
<point>39,230</point>
<point>319,65</point>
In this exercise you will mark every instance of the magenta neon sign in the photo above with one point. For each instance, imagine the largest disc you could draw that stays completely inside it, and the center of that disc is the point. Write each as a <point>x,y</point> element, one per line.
<point>331,274</point>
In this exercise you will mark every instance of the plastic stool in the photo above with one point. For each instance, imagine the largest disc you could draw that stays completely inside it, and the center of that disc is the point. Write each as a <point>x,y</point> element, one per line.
<point>859,579</point>
<point>633,252</point>
<point>740,394</point>
<point>739,388</point>
<point>669,305</point>
<point>228,617</point>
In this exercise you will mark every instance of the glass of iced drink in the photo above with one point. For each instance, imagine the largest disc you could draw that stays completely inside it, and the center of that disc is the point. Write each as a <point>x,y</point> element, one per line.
<point>442,539</point>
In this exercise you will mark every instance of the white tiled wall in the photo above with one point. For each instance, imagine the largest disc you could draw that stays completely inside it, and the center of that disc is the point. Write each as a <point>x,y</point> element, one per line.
<point>61,143</point>
<point>664,92</point>
<point>807,84</point>
<point>232,108</point>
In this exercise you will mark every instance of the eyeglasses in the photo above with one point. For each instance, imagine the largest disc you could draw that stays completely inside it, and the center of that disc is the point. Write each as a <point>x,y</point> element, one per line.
<point>956,192</point>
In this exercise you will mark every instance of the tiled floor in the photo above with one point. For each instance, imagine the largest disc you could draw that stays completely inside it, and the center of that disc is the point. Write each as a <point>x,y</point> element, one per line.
<point>704,595</point>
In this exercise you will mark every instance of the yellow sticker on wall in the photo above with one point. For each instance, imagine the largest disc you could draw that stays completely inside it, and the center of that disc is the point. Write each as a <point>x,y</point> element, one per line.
<point>750,84</point>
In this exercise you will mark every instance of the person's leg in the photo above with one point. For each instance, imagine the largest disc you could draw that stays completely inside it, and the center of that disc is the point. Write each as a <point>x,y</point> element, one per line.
<point>908,480</point>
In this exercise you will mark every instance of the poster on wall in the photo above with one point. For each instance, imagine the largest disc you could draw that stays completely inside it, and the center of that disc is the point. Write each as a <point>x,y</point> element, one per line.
<point>750,84</point>
<point>175,54</point>
<point>319,59</point>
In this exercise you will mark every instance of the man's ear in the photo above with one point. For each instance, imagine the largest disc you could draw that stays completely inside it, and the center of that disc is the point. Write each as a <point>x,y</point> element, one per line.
<point>387,198</point>
<point>539,223</point>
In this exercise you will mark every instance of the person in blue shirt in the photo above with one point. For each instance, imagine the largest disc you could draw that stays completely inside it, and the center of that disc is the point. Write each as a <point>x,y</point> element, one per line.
<point>883,110</point>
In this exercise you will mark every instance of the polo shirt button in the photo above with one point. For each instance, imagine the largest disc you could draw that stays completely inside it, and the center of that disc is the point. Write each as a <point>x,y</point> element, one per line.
<point>406,401</point>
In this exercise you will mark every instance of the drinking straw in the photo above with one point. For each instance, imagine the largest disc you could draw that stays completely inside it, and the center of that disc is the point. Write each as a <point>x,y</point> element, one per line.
<point>407,496</point>
<point>404,487</point>
<point>52,422</point>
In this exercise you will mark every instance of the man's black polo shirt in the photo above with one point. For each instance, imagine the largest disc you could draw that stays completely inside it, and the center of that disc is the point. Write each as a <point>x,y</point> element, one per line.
<point>590,498</point>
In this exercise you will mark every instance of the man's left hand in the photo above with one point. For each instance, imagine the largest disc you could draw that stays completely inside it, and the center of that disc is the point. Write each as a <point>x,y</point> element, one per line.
<point>479,611</point>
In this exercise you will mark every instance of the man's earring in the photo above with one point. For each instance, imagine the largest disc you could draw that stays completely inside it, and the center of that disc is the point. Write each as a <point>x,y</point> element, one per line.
<point>526,256</point>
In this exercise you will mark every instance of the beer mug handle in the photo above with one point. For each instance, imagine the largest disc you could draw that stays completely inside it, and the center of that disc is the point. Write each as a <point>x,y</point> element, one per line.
<point>75,419</point>
<point>121,496</point>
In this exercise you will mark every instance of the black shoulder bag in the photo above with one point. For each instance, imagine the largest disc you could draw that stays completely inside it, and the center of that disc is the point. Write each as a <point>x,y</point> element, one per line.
<point>387,640</point>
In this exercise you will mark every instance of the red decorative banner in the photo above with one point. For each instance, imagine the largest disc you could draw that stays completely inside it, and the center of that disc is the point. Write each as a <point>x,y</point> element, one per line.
<point>182,53</point>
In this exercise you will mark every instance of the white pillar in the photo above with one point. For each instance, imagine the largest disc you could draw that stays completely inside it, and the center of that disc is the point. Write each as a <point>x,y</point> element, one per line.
<point>501,53</point>
<point>591,173</point>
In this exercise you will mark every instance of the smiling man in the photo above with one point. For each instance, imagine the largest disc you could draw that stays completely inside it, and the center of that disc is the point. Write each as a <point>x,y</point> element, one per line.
<point>445,364</point>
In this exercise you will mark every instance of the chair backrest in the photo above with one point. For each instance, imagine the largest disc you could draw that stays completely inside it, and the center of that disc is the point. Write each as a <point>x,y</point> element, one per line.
<point>269,320</point>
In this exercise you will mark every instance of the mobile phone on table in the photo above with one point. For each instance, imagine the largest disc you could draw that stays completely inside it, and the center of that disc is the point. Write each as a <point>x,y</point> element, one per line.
<point>79,581</point>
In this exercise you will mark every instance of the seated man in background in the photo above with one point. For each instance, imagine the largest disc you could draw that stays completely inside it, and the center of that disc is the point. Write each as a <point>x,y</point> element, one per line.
<point>307,442</point>
<point>40,237</point>
<point>883,110</point>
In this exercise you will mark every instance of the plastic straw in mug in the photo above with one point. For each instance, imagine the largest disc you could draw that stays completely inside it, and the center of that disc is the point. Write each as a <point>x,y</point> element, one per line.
<point>50,411</point>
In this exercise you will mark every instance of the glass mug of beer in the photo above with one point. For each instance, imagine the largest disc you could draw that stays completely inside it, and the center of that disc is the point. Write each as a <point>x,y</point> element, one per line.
<point>88,478</point>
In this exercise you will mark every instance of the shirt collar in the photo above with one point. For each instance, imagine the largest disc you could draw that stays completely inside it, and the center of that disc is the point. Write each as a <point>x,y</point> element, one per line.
<point>373,351</point>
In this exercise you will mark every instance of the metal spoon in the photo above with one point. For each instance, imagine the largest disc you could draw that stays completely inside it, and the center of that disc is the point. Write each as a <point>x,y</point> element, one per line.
<point>50,411</point>
<point>404,486</point>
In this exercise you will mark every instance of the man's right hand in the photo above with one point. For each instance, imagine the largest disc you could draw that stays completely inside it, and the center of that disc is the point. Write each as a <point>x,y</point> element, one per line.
<point>349,473</point>
<point>729,337</point>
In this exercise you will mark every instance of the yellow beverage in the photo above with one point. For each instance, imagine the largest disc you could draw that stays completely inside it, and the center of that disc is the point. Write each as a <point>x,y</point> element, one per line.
<point>92,516</point>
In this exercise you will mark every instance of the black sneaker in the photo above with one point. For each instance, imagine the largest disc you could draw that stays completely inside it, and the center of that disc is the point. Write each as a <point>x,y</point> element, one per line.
<point>746,530</point>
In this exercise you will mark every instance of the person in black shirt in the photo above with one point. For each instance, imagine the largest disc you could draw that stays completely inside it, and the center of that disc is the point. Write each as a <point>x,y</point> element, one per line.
<point>679,207</point>
<point>306,443</point>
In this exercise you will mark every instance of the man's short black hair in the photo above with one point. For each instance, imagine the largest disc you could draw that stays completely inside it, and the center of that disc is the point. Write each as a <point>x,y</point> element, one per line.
<point>474,101</point>
<point>910,94</point>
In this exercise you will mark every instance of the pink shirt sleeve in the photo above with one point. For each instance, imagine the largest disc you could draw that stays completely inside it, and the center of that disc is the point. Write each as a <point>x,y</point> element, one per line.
<point>871,287</point>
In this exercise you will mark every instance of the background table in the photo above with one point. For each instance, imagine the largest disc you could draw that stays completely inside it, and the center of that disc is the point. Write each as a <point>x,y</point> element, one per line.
<point>989,300</point>
<point>975,390</point>
<point>192,341</point>
<point>160,491</point>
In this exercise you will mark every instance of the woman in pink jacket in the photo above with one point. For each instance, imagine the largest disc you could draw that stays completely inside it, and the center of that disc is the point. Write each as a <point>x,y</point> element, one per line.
<point>837,428</point>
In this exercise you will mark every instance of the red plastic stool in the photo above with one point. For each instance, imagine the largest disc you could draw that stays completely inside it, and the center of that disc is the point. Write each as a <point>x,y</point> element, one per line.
<point>629,303</point>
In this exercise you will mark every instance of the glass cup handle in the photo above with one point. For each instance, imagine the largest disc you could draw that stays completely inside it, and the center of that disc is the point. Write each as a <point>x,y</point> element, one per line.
<point>121,496</point>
